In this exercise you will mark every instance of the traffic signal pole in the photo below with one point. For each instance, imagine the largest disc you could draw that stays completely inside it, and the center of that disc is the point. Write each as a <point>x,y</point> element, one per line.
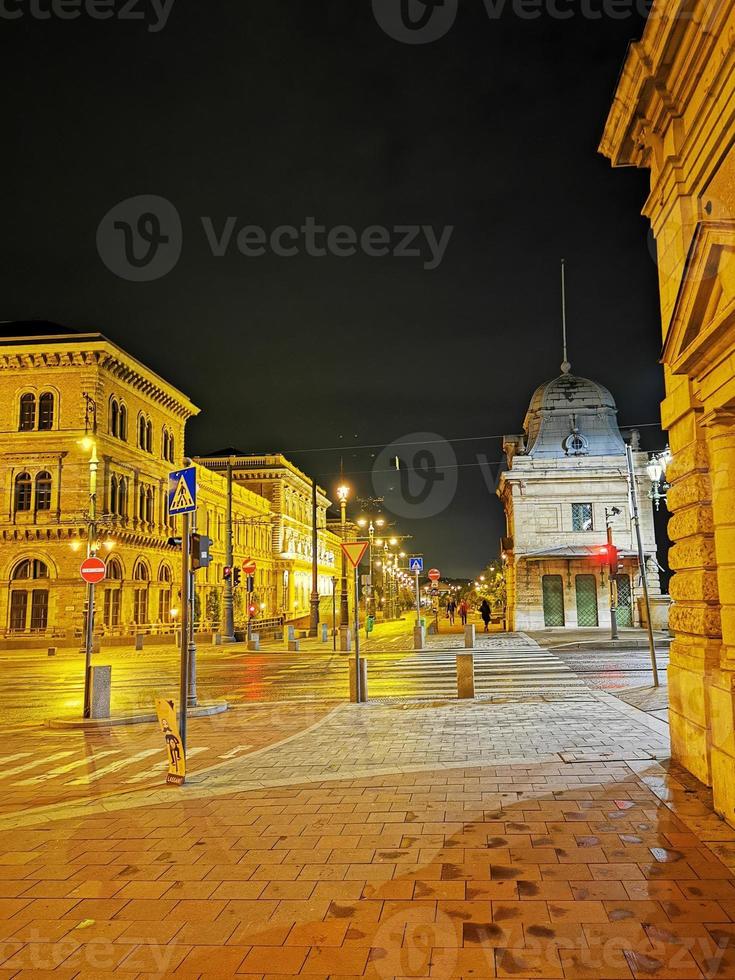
<point>635,517</point>
<point>185,616</point>
<point>612,572</point>
<point>229,631</point>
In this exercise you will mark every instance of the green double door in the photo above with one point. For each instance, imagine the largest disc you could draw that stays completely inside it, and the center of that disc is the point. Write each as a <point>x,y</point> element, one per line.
<point>553,595</point>
<point>586,587</point>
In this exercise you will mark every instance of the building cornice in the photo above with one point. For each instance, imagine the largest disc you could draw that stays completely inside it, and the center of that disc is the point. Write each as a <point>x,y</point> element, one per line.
<point>93,351</point>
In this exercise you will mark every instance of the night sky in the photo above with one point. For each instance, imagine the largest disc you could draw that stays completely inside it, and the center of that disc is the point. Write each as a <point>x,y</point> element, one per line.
<point>277,111</point>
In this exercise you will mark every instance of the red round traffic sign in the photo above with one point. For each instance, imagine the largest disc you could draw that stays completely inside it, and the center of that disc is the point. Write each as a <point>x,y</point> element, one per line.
<point>249,566</point>
<point>93,570</point>
<point>434,574</point>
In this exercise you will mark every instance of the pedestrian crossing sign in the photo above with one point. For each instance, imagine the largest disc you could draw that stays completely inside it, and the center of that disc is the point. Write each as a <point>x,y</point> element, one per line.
<point>416,563</point>
<point>182,491</point>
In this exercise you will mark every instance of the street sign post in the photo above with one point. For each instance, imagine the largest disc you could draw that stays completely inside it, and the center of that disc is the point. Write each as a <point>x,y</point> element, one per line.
<point>182,499</point>
<point>182,491</point>
<point>355,552</point>
<point>93,570</point>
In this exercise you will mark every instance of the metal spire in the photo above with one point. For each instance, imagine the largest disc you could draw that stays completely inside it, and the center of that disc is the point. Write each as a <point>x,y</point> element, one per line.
<point>566,367</point>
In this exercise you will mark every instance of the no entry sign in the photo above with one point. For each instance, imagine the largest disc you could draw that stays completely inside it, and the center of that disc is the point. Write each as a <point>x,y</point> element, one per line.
<point>434,574</point>
<point>249,566</point>
<point>93,570</point>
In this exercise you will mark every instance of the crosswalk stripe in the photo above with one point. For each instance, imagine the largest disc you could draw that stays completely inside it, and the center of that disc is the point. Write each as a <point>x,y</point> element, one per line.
<point>163,765</point>
<point>113,767</point>
<point>88,760</point>
<point>40,760</point>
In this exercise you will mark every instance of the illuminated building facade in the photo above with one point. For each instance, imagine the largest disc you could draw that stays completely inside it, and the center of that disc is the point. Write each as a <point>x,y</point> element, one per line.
<point>673,115</point>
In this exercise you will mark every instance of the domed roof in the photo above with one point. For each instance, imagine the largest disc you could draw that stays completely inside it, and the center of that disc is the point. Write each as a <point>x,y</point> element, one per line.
<point>572,416</point>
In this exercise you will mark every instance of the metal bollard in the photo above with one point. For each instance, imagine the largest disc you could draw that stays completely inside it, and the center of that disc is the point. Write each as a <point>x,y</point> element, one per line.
<point>216,639</point>
<point>254,642</point>
<point>465,675</point>
<point>138,641</point>
<point>100,685</point>
<point>294,646</point>
<point>291,633</point>
<point>325,633</point>
<point>469,636</point>
<point>345,639</point>
<point>419,637</point>
<point>52,651</point>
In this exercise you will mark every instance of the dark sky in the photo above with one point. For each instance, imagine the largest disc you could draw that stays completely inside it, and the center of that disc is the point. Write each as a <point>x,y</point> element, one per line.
<point>274,111</point>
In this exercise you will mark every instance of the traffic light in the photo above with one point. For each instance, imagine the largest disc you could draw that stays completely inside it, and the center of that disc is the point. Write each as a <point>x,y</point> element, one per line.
<point>251,583</point>
<point>200,551</point>
<point>251,610</point>
<point>236,577</point>
<point>226,572</point>
<point>609,555</point>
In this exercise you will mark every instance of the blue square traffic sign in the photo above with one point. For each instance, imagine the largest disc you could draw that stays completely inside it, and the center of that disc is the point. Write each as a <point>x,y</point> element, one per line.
<point>416,564</point>
<point>182,491</point>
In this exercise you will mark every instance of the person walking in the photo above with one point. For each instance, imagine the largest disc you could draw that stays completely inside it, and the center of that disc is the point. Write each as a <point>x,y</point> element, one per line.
<point>485,613</point>
<point>451,610</point>
<point>463,609</point>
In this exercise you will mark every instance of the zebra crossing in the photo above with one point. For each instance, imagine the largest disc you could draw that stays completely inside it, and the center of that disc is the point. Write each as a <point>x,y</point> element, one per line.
<point>520,671</point>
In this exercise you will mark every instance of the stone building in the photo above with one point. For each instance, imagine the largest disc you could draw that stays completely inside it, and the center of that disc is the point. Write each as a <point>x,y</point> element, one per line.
<point>673,115</point>
<point>63,393</point>
<point>563,473</point>
<point>288,493</point>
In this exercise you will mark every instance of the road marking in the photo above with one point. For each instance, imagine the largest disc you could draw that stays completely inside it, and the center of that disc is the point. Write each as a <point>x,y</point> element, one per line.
<point>38,761</point>
<point>12,758</point>
<point>113,767</point>
<point>162,766</point>
<point>233,752</point>
<point>61,770</point>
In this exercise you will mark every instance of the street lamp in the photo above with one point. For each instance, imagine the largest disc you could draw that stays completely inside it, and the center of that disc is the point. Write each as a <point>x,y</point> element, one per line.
<point>656,470</point>
<point>89,444</point>
<point>370,524</point>
<point>343,492</point>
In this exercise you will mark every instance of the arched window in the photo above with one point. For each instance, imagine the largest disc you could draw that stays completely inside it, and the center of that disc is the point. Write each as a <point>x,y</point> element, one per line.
<point>43,490</point>
<point>114,418</point>
<point>123,424</point>
<point>27,419</point>
<point>122,497</point>
<point>30,568</point>
<point>164,574</point>
<point>141,577</point>
<point>46,411</point>
<point>23,492</point>
<point>113,495</point>
<point>171,450</point>
<point>145,503</point>
<point>113,593</point>
<point>164,594</point>
<point>28,581</point>
<point>141,432</point>
<point>164,443</point>
<point>149,436</point>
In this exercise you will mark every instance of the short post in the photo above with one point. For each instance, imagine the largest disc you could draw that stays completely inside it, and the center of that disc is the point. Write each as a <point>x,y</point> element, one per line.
<point>216,639</point>
<point>291,633</point>
<point>465,675</point>
<point>100,684</point>
<point>254,642</point>
<point>52,651</point>
<point>345,639</point>
<point>325,632</point>
<point>294,646</point>
<point>363,695</point>
<point>138,641</point>
<point>469,636</point>
<point>419,637</point>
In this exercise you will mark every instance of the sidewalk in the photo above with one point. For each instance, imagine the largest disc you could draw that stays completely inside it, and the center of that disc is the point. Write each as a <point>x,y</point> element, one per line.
<point>411,839</point>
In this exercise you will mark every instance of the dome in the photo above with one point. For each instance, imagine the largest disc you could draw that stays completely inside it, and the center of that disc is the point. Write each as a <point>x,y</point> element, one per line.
<point>572,416</point>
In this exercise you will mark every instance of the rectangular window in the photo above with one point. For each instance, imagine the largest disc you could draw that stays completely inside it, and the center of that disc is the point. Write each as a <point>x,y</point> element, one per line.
<point>164,606</point>
<point>581,517</point>
<point>140,607</point>
<point>18,607</point>
<point>39,609</point>
<point>112,607</point>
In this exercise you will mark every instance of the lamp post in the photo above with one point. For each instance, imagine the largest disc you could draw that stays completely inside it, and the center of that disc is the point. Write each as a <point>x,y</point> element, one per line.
<point>89,443</point>
<point>229,636</point>
<point>371,523</point>
<point>314,602</point>
<point>343,492</point>
<point>633,504</point>
<point>612,571</point>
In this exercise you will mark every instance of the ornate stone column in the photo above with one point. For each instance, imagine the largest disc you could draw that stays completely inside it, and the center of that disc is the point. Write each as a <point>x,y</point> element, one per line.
<point>695,616</point>
<point>720,428</point>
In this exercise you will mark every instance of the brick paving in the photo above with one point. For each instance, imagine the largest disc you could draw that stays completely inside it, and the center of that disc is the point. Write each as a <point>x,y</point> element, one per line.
<point>421,839</point>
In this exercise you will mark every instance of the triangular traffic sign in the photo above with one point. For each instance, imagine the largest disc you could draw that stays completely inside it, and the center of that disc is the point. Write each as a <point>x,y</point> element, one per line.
<point>182,498</point>
<point>355,551</point>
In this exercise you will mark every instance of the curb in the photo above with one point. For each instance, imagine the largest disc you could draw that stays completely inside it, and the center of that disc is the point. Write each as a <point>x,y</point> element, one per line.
<point>97,724</point>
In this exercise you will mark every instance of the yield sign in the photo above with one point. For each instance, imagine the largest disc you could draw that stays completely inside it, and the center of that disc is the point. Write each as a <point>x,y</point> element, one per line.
<point>355,551</point>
